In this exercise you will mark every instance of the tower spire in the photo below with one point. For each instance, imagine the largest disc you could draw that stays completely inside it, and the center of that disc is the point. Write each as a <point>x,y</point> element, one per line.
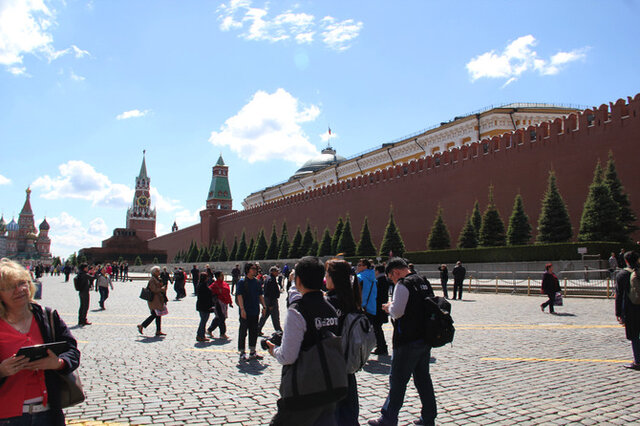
<point>143,168</point>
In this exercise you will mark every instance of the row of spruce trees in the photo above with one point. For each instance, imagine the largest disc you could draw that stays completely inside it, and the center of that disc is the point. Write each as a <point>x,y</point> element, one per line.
<point>606,216</point>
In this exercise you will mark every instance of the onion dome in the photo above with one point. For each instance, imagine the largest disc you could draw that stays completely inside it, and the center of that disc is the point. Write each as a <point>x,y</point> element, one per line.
<point>3,225</point>
<point>326,158</point>
<point>13,226</point>
<point>44,226</point>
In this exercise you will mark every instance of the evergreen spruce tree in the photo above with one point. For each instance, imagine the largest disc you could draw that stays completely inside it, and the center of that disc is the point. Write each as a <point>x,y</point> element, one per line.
<point>250,253</point>
<point>307,241</point>
<point>137,262</point>
<point>314,248</point>
<point>325,245</point>
<point>336,236</point>
<point>283,250</point>
<point>233,254</point>
<point>476,219</point>
<point>468,238</point>
<point>439,238</point>
<point>626,216</point>
<point>554,225</point>
<point>294,250</point>
<point>214,252</point>
<point>155,261</point>
<point>272,251</point>
<point>192,254</point>
<point>224,254</point>
<point>365,246</point>
<point>204,254</point>
<point>492,229</point>
<point>242,247</point>
<point>599,220</point>
<point>346,243</point>
<point>392,240</point>
<point>519,231</point>
<point>260,251</point>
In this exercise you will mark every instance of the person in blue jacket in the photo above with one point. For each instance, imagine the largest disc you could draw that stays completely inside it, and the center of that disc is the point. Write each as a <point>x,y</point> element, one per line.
<point>367,277</point>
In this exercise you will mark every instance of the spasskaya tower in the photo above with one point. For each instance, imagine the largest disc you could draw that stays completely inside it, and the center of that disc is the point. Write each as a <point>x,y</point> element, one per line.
<point>140,216</point>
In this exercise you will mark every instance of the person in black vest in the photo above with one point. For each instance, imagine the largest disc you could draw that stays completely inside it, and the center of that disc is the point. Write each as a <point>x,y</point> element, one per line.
<point>271,295</point>
<point>411,353</point>
<point>300,333</point>
<point>178,283</point>
<point>195,275</point>
<point>85,282</point>
<point>550,286</point>
<point>628,313</point>
<point>382,317</point>
<point>444,279</point>
<point>204,306</point>
<point>459,272</point>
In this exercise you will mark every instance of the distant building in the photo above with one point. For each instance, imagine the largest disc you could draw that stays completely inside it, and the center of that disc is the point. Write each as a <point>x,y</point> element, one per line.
<point>21,241</point>
<point>131,242</point>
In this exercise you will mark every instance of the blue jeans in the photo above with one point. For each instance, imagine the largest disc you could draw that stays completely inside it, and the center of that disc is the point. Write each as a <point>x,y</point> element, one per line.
<point>410,359</point>
<point>204,317</point>
<point>53,417</point>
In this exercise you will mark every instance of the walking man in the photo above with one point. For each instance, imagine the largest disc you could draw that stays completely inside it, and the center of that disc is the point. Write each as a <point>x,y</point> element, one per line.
<point>195,275</point>
<point>459,272</point>
<point>271,295</point>
<point>249,297</point>
<point>411,353</point>
<point>235,277</point>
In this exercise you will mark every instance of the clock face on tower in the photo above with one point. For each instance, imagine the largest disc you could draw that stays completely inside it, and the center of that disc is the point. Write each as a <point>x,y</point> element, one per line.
<point>143,201</point>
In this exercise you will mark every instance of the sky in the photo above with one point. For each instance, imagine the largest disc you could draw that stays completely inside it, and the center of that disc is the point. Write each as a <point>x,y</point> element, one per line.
<point>87,85</point>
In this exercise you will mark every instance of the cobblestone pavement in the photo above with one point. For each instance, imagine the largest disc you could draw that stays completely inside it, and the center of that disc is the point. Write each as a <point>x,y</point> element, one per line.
<point>509,364</point>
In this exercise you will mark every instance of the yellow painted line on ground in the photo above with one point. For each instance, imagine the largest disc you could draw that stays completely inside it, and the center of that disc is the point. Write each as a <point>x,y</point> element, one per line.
<point>557,360</point>
<point>141,314</point>
<point>133,325</point>
<point>230,351</point>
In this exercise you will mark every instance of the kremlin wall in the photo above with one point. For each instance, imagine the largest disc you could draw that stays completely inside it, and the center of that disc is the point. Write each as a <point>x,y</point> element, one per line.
<point>514,162</point>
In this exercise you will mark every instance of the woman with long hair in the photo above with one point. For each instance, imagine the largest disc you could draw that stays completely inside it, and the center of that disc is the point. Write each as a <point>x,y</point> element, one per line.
<point>345,298</point>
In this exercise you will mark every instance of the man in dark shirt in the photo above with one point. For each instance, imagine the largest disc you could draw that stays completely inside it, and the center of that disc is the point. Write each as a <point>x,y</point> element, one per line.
<point>459,272</point>
<point>271,295</point>
<point>235,277</point>
<point>195,275</point>
<point>249,297</point>
<point>84,286</point>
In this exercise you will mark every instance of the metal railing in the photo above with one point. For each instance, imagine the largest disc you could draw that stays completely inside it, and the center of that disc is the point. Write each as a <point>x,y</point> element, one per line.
<point>580,283</point>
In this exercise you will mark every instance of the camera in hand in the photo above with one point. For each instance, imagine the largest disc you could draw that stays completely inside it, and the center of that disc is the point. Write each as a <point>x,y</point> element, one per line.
<point>275,338</point>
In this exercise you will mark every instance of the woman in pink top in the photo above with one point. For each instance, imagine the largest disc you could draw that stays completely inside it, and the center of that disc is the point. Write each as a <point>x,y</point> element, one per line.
<point>222,292</point>
<point>29,391</point>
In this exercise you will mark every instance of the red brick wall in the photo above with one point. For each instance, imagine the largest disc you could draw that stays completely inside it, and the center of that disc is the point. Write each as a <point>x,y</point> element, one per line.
<point>514,164</point>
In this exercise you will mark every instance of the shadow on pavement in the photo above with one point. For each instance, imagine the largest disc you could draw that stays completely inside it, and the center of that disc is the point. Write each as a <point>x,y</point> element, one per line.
<point>214,342</point>
<point>380,366</point>
<point>150,339</point>
<point>255,368</point>
<point>564,314</point>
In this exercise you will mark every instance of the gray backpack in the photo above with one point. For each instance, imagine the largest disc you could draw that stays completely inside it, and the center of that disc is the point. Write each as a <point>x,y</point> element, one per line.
<point>634,286</point>
<point>358,340</point>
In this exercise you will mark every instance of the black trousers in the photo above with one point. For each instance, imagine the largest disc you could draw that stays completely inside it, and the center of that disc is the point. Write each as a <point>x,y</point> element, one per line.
<point>249,324</point>
<point>444,290</point>
<point>457,287</point>
<point>552,298</point>
<point>151,318</point>
<point>84,306</point>
<point>218,321</point>
<point>381,343</point>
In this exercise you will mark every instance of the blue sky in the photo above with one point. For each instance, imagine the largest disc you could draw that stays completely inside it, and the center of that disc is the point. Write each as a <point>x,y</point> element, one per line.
<point>85,86</point>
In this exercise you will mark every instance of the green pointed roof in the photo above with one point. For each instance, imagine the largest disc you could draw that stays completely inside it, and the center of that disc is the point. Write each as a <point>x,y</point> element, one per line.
<point>219,188</point>
<point>220,161</point>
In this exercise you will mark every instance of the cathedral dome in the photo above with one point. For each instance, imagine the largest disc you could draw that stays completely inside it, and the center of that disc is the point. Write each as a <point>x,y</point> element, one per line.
<point>3,226</point>
<point>326,158</point>
<point>44,226</point>
<point>13,226</point>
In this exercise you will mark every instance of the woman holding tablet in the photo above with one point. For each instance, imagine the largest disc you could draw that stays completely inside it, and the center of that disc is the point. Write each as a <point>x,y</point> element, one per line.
<point>29,389</point>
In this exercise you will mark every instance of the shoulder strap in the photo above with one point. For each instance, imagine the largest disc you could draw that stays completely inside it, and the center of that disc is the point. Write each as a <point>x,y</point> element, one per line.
<point>49,314</point>
<point>370,290</point>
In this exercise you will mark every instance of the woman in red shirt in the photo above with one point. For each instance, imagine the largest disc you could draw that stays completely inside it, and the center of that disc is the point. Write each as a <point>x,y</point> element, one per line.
<point>221,290</point>
<point>29,390</point>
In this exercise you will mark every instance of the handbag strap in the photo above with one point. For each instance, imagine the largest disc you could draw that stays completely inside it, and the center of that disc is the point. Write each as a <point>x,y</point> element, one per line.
<point>50,317</point>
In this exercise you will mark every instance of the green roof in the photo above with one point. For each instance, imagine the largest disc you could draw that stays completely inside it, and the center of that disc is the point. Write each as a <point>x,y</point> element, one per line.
<point>220,161</point>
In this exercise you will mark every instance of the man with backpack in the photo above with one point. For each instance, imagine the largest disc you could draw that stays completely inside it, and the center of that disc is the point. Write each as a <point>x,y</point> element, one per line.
<point>83,283</point>
<point>311,323</point>
<point>411,352</point>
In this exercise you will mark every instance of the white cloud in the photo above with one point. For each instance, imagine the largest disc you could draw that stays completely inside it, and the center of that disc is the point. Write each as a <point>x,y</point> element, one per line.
<point>326,136</point>
<point>338,35</point>
<point>134,113</point>
<point>25,29</point>
<point>68,234</point>
<point>268,127</point>
<point>517,58</point>
<point>255,24</point>
<point>80,180</point>
<point>4,180</point>
<point>76,77</point>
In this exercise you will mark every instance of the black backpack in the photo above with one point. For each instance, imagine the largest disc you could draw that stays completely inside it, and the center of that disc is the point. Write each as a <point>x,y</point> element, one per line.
<point>438,323</point>
<point>76,283</point>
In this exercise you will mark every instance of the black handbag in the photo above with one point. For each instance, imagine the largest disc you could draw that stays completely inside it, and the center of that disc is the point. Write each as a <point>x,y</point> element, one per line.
<point>146,294</point>
<point>70,386</point>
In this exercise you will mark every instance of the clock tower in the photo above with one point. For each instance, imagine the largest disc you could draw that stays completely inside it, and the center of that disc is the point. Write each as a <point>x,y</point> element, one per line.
<point>140,216</point>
